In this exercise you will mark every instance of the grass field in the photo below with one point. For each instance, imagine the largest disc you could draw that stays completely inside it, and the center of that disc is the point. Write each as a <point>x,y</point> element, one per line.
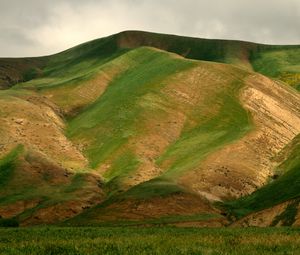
<point>140,241</point>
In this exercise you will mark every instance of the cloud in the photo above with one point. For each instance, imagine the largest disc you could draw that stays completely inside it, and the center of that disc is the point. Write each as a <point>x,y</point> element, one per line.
<point>34,27</point>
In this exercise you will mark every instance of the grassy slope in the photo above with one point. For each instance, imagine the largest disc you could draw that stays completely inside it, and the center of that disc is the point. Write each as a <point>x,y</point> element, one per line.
<point>113,117</point>
<point>75,65</point>
<point>8,164</point>
<point>108,123</point>
<point>64,69</point>
<point>277,61</point>
<point>26,175</point>
<point>283,64</point>
<point>13,189</point>
<point>105,120</point>
<point>229,124</point>
<point>80,63</point>
<point>111,120</point>
<point>285,188</point>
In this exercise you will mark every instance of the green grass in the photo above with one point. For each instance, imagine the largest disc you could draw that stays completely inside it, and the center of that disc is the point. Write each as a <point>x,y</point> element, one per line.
<point>65,70</point>
<point>9,223</point>
<point>122,166</point>
<point>157,187</point>
<point>48,194</point>
<point>108,124</point>
<point>164,241</point>
<point>288,216</point>
<point>229,124</point>
<point>168,220</point>
<point>8,164</point>
<point>45,192</point>
<point>112,119</point>
<point>161,221</point>
<point>283,63</point>
<point>77,182</point>
<point>285,188</point>
<point>73,66</point>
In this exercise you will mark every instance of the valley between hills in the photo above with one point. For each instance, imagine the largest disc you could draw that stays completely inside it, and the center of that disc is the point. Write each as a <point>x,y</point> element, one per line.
<point>140,128</point>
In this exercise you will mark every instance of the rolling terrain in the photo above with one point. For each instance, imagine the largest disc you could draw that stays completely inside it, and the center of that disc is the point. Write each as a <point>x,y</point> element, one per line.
<point>144,128</point>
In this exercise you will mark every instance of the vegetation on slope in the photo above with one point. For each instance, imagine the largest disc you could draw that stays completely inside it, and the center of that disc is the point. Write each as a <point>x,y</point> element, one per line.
<point>75,65</point>
<point>282,63</point>
<point>105,124</point>
<point>229,124</point>
<point>8,164</point>
<point>78,63</point>
<point>112,119</point>
<point>277,61</point>
<point>284,188</point>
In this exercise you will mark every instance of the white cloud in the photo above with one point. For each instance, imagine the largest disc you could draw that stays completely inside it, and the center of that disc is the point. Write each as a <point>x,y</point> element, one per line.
<point>35,27</point>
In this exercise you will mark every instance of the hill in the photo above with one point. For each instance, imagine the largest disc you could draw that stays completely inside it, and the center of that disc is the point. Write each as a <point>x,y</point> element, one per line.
<point>150,128</point>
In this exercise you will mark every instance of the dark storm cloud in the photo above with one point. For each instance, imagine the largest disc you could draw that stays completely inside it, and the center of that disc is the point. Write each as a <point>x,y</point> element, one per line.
<point>35,27</point>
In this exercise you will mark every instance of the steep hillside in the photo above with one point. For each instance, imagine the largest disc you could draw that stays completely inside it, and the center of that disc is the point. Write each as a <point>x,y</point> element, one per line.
<point>218,154</point>
<point>137,127</point>
<point>40,167</point>
<point>277,203</point>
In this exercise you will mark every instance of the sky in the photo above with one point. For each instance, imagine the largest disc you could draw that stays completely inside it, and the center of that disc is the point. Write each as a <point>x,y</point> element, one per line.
<point>43,27</point>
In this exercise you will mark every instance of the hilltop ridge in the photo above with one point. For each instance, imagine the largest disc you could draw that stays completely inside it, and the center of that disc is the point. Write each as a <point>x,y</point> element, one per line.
<point>244,54</point>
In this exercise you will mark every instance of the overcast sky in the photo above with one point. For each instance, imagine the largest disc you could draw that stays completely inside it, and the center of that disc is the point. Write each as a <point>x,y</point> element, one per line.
<point>39,27</point>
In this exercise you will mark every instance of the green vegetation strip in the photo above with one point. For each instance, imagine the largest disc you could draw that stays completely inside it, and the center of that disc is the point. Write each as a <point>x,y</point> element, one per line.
<point>161,221</point>
<point>230,124</point>
<point>8,164</point>
<point>159,241</point>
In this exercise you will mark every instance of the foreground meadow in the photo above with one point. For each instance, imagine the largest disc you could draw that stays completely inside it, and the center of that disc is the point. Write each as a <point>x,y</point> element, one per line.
<point>164,240</point>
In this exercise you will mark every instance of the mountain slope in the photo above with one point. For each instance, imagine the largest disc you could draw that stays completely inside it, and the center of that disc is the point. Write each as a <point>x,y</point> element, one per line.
<point>280,195</point>
<point>153,133</point>
<point>40,167</point>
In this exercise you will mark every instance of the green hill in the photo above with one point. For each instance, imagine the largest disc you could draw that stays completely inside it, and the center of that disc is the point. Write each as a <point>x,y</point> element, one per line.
<point>149,127</point>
